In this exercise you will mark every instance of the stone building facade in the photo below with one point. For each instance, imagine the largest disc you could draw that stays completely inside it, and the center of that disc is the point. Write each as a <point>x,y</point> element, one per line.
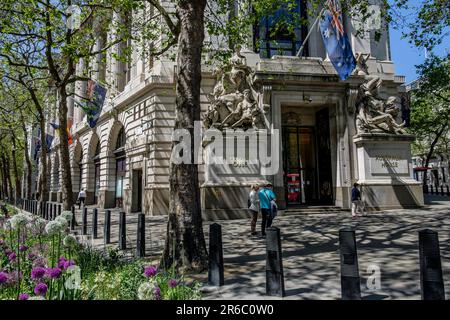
<point>124,160</point>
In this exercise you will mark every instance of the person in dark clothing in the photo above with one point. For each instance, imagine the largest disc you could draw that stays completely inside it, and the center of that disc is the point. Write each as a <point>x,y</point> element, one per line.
<point>356,201</point>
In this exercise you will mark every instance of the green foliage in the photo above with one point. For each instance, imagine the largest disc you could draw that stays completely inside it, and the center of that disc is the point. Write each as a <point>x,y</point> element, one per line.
<point>430,112</point>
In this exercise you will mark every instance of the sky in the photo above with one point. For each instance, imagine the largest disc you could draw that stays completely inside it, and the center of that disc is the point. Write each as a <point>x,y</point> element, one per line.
<point>405,56</point>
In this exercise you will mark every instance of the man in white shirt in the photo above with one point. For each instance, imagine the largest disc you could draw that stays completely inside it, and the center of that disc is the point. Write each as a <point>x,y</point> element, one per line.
<point>81,197</point>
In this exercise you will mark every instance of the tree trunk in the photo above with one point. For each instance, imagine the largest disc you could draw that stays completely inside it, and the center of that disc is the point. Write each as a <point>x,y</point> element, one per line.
<point>4,176</point>
<point>185,246</point>
<point>42,186</point>
<point>431,151</point>
<point>27,160</point>
<point>64,156</point>
<point>15,170</point>
<point>8,178</point>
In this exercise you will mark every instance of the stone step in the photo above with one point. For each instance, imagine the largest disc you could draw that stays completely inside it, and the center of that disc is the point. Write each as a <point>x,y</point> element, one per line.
<point>313,210</point>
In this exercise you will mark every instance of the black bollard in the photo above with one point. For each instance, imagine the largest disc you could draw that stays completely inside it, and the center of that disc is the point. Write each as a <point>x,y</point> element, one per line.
<point>350,281</point>
<point>448,191</point>
<point>140,240</point>
<point>274,263</point>
<point>107,227</point>
<point>50,214</point>
<point>122,231</point>
<point>73,221</point>
<point>94,223</point>
<point>215,270</point>
<point>431,281</point>
<point>84,227</point>
<point>59,209</point>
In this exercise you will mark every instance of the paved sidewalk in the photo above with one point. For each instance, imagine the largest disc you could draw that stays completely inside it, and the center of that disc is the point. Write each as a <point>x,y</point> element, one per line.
<point>388,239</point>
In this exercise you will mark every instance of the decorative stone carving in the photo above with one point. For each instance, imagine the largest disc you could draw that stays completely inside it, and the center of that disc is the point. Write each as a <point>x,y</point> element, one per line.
<point>352,94</point>
<point>361,63</point>
<point>234,101</point>
<point>375,115</point>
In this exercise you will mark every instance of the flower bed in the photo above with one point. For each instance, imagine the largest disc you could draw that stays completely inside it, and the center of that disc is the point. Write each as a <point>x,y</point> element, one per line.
<point>41,260</point>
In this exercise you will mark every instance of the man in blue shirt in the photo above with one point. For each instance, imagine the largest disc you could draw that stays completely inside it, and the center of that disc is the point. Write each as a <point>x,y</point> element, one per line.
<point>266,195</point>
<point>356,201</point>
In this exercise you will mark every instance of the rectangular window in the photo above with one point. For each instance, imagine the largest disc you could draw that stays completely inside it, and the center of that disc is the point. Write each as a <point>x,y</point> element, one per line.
<point>281,33</point>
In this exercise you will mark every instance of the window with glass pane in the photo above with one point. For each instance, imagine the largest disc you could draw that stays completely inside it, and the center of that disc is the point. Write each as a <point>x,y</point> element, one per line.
<point>278,34</point>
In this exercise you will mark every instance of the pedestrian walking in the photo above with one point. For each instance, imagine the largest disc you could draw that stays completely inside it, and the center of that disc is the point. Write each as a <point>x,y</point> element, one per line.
<point>267,203</point>
<point>81,197</point>
<point>253,207</point>
<point>356,201</point>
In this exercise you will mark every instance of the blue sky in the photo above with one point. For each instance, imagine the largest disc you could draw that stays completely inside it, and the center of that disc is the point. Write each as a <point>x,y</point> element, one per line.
<point>406,56</point>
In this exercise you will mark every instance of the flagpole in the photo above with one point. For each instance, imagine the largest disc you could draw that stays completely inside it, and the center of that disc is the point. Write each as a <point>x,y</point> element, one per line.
<point>309,33</point>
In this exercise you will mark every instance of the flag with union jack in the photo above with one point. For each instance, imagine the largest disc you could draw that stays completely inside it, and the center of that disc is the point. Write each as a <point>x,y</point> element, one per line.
<point>336,41</point>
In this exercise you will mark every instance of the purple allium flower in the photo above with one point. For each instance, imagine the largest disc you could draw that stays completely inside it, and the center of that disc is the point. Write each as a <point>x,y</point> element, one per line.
<point>3,277</point>
<point>37,273</point>
<point>39,262</point>
<point>173,283</point>
<point>12,256</point>
<point>31,256</point>
<point>7,251</point>
<point>54,273</point>
<point>23,248</point>
<point>40,289</point>
<point>61,262</point>
<point>68,263</point>
<point>23,296</point>
<point>150,271</point>
<point>157,293</point>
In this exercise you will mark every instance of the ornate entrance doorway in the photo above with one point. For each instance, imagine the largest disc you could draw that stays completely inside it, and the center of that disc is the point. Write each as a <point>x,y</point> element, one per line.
<point>307,162</point>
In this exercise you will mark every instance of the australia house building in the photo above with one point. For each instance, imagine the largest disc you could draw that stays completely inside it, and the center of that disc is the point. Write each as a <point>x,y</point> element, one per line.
<point>328,133</point>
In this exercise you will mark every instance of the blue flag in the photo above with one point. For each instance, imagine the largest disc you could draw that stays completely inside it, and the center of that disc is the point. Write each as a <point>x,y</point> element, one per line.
<point>92,106</point>
<point>336,41</point>
<point>54,125</point>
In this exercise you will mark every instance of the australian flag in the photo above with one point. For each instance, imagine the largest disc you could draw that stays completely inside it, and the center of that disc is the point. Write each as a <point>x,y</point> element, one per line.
<point>336,41</point>
<point>92,106</point>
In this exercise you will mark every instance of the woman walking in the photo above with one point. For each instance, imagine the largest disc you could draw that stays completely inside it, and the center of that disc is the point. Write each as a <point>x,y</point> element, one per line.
<point>253,208</point>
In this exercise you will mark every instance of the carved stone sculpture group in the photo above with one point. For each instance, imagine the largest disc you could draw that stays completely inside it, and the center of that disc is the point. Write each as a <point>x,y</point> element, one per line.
<point>233,100</point>
<point>374,114</point>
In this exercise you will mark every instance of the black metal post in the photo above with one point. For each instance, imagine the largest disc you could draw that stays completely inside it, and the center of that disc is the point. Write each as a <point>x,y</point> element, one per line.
<point>73,221</point>
<point>140,241</point>
<point>274,263</point>
<point>50,214</point>
<point>84,227</point>
<point>107,227</point>
<point>431,280</point>
<point>59,209</point>
<point>122,231</point>
<point>94,223</point>
<point>350,281</point>
<point>215,270</point>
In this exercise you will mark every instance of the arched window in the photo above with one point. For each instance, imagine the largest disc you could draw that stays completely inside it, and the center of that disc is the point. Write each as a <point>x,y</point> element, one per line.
<point>96,159</point>
<point>120,143</point>
<point>119,152</point>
